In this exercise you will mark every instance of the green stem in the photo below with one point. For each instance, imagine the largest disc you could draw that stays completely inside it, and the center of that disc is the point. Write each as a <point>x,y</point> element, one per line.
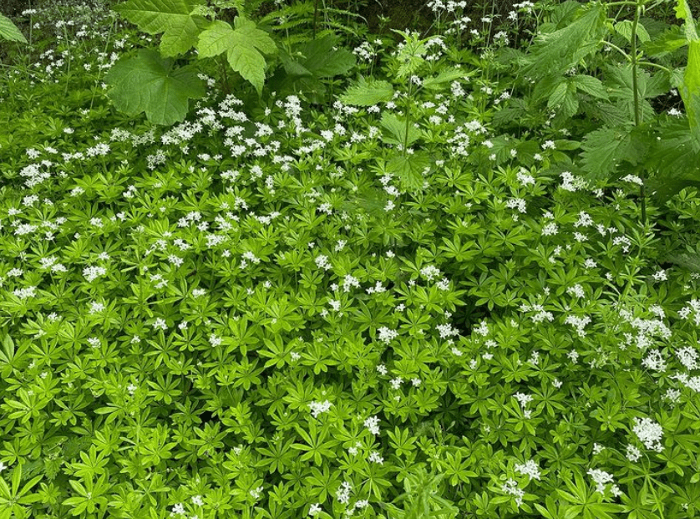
<point>408,121</point>
<point>635,88</point>
<point>315,16</point>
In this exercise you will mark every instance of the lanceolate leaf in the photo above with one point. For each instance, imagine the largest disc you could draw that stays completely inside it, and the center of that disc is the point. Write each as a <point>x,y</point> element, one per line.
<point>368,92</point>
<point>244,47</point>
<point>170,17</point>
<point>9,31</point>
<point>148,83</point>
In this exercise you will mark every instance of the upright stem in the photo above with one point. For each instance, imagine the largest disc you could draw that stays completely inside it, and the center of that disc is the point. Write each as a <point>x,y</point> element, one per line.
<point>408,119</point>
<point>637,115</point>
<point>315,16</point>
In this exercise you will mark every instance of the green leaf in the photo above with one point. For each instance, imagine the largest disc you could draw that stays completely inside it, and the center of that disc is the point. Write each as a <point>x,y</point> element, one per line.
<point>244,47</point>
<point>690,90</point>
<point>689,261</point>
<point>669,41</point>
<point>368,92</point>
<point>590,85</point>
<point>604,149</point>
<point>397,127</point>
<point>560,49</point>
<point>171,17</point>
<point>148,83</point>
<point>624,28</point>
<point>409,169</point>
<point>323,61</point>
<point>447,75</point>
<point>683,13</point>
<point>9,31</point>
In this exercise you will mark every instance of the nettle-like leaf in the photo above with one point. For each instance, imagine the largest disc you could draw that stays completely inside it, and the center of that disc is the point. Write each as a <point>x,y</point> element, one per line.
<point>604,149</point>
<point>368,92</point>
<point>9,31</point>
<point>397,128</point>
<point>409,168</point>
<point>244,45</point>
<point>559,49</point>
<point>162,92</point>
<point>624,29</point>
<point>173,18</point>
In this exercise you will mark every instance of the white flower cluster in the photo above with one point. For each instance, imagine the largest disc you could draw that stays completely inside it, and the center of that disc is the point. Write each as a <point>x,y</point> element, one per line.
<point>529,468</point>
<point>688,356</point>
<point>649,433</point>
<point>601,478</point>
<point>372,423</point>
<point>343,493</point>
<point>511,487</point>
<point>319,407</point>
<point>386,335</point>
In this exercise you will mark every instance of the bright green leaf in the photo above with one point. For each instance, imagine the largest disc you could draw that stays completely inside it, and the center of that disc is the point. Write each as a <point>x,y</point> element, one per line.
<point>148,83</point>
<point>9,31</point>
<point>368,92</point>
<point>170,17</point>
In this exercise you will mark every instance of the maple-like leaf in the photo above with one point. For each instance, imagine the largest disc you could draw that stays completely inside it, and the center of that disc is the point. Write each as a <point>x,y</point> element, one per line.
<point>244,45</point>
<point>173,18</point>
<point>163,91</point>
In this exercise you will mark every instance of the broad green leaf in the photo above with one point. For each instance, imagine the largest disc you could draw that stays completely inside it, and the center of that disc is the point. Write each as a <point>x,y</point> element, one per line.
<point>590,85</point>
<point>323,61</point>
<point>368,92</point>
<point>148,83</point>
<point>397,127</point>
<point>690,261</point>
<point>604,149</point>
<point>9,31</point>
<point>558,50</point>
<point>173,18</point>
<point>690,90</point>
<point>244,47</point>
<point>669,41</point>
<point>558,95</point>
<point>683,13</point>
<point>624,28</point>
<point>409,169</point>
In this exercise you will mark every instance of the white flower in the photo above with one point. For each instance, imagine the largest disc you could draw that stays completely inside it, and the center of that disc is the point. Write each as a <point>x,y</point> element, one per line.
<point>372,423</point>
<point>633,453</point>
<point>530,468</point>
<point>319,407</point>
<point>601,478</point>
<point>649,433</point>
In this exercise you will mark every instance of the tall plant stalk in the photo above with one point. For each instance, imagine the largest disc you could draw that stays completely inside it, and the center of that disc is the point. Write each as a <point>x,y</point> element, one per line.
<point>635,88</point>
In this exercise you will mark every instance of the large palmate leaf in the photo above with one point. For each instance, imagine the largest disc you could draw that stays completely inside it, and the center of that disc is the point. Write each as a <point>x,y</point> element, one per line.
<point>9,31</point>
<point>244,46</point>
<point>148,83</point>
<point>173,18</point>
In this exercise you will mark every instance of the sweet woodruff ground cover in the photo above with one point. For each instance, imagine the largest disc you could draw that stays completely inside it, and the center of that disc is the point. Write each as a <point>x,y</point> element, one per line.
<point>405,296</point>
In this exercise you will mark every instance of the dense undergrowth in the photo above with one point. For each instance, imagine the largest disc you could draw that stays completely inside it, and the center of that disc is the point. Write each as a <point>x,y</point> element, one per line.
<point>449,274</point>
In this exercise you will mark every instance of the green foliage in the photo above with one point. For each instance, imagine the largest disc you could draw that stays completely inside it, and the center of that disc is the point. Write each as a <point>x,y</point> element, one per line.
<point>368,92</point>
<point>244,45</point>
<point>163,91</point>
<point>426,294</point>
<point>173,18</point>
<point>9,31</point>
